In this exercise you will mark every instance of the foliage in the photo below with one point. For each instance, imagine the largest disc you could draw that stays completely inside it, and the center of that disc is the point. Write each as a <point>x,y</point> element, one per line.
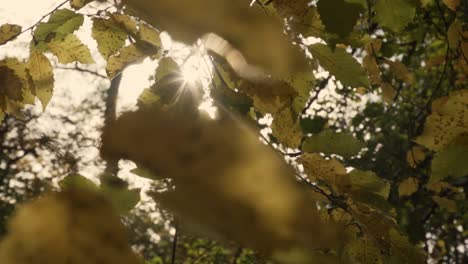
<point>364,163</point>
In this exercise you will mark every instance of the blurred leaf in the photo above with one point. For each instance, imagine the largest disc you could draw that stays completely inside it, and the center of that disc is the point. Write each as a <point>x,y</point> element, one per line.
<point>73,226</point>
<point>127,55</point>
<point>408,187</point>
<point>445,203</point>
<point>329,142</point>
<point>394,14</point>
<point>339,16</point>
<point>313,126</point>
<point>452,4</point>
<point>76,181</point>
<point>8,32</point>
<point>186,21</point>
<point>388,92</point>
<point>149,35</point>
<point>77,4</point>
<point>70,50</point>
<point>42,75</point>
<point>369,182</point>
<point>415,155</point>
<point>341,64</point>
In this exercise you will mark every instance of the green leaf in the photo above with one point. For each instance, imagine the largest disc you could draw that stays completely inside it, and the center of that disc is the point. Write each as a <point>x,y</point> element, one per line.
<point>341,64</point>
<point>166,66</point>
<point>144,173</point>
<point>76,181</point>
<point>286,128</point>
<point>313,126</point>
<point>42,75</point>
<point>450,162</point>
<point>148,98</point>
<point>122,198</point>
<point>109,36</point>
<point>8,32</point>
<point>369,182</point>
<point>329,142</point>
<point>394,14</point>
<point>70,50</point>
<point>445,203</point>
<point>339,16</point>
<point>61,23</point>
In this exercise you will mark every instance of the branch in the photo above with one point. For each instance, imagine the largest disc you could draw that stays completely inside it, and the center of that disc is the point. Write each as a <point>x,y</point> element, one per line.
<point>40,20</point>
<point>112,165</point>
<point>174,244</point>
<point>77,68</point>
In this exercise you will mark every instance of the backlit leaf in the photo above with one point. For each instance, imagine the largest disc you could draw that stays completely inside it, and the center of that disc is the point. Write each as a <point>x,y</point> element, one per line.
<point>8,32</point>
<point>340,64</point>
<point>70,50</point>
<point>127,55</point>
<point>108,35</point>
<point>394,14</point>
<point>42,75</point>
<point>452,4</point>
<point>61,23</point>
<point>186,21</point>
<point>286,128</point>
<point>149,35</point>
<point>77,4</point>
<point>329,142</point>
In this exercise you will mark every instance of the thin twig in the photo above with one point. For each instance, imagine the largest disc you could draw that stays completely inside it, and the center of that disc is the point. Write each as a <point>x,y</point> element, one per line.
<point>77,68</point>
<point>39,21</point>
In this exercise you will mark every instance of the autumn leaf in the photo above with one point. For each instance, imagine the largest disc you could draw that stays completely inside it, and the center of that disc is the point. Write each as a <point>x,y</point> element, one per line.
<point>329,142</point>
<point>70,50</point>
<point>42,75</point>
<point>8,32</point>
<point>109,36</point>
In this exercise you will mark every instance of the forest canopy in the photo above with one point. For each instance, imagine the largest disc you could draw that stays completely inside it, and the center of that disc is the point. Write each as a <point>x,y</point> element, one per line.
<point>329,131</point>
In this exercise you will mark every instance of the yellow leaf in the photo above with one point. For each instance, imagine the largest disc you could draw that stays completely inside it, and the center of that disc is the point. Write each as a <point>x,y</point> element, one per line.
<point>108,35</point>
<point>388,93</point>
<point>126,23</point>
<point>127,55</point>
<point>257,35</point>
<point>329,171</point>
<point>42,75</point>
<point>452,4</point>
<point>286,128</point>
<point>445,203</point>
<point>67,227</point>
<point>400,71</point>
<point>449,119</point>
<point>408,187</point>
<point>454,34</point>
<point>20,69</point>
<point>77,4</point>
<point>70,50</point>
<point>149,35</point>
<point>415,155</point>
<point>8,32</point>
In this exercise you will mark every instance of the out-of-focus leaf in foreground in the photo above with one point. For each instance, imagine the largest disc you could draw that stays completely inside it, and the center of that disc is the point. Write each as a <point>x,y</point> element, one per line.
<point>225,181</point>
